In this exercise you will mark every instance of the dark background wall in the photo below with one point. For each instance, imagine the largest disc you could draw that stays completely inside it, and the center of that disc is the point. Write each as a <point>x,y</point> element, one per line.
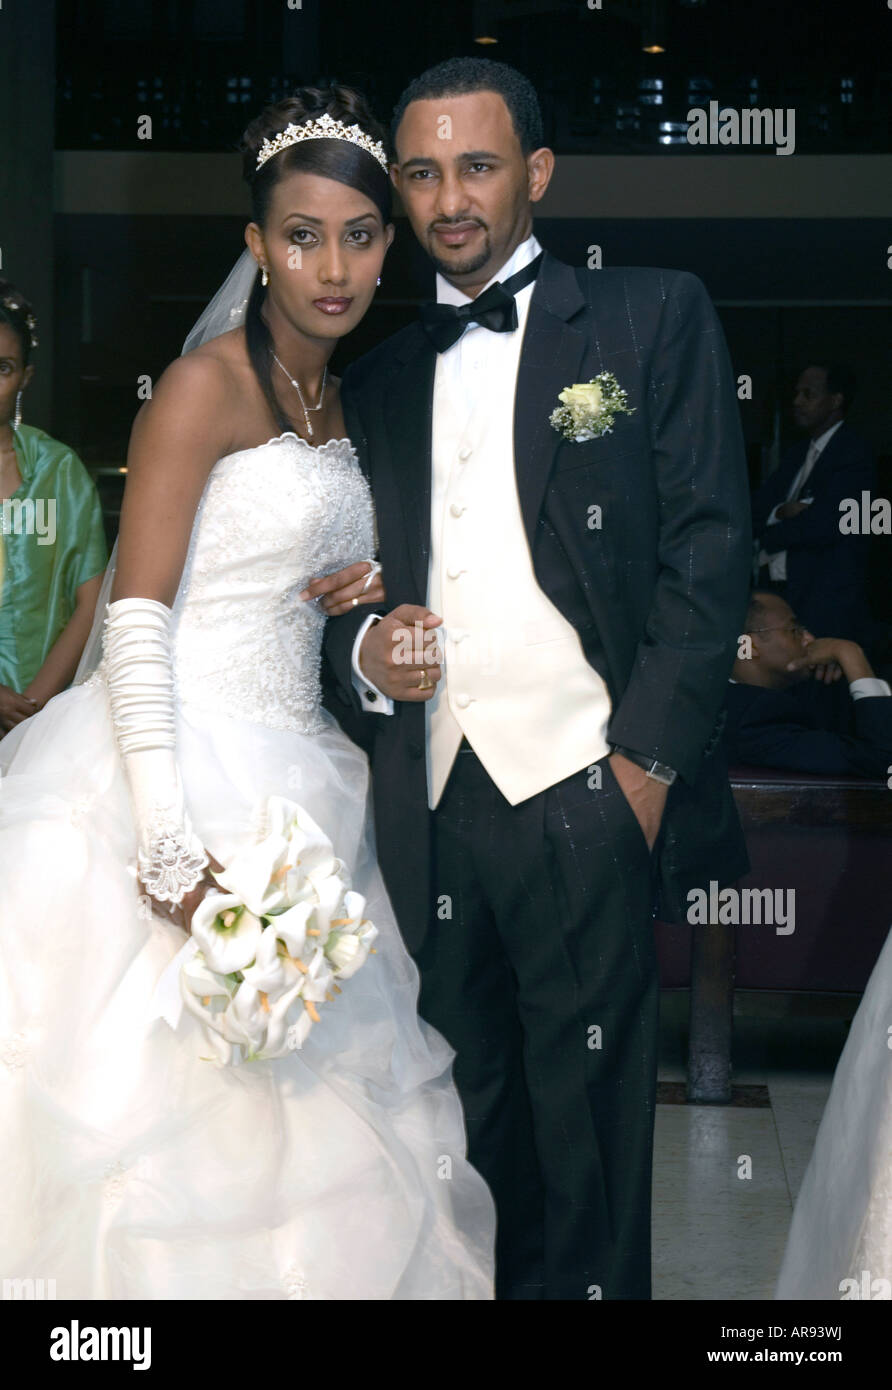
<point>129,288</point>
<point>27,134</point>
<point>120,241</point>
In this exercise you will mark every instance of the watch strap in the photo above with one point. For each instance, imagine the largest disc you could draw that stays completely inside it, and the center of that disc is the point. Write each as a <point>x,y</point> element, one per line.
<point>660,772</point>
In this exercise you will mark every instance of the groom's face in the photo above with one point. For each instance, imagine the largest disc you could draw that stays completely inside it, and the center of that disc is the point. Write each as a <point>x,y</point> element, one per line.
<point>466,185</point>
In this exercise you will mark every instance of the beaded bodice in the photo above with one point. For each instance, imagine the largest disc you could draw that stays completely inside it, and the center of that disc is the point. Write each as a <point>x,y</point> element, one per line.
<point>270,519</point>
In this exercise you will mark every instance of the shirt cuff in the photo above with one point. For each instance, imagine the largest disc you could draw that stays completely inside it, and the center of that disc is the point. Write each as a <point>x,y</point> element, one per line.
<point>370,697</point>
<point>867,686</point>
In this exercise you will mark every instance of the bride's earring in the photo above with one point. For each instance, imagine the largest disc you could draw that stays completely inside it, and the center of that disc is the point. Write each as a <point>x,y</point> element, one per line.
<point>18,411</point>
<point>264,275</point>
<point>379,279</point>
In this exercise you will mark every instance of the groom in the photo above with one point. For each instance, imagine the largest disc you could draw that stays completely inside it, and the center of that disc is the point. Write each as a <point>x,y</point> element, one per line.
<point>560,764</point>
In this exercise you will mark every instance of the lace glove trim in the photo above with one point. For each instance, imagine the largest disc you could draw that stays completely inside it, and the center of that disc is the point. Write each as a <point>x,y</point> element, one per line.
<point>139,672</point>
<point>170,859</point>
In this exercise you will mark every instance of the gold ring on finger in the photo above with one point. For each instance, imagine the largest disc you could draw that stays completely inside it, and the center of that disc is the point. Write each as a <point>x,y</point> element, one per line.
<point>425,683</point>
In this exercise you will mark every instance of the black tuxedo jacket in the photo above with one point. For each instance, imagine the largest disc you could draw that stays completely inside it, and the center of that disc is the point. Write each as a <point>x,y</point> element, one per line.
<point>826,570</point>
<point>797,730</point>
<point>657,594</point>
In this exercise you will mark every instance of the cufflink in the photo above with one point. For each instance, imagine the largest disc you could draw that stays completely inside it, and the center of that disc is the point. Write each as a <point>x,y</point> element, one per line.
<point>370,695</point>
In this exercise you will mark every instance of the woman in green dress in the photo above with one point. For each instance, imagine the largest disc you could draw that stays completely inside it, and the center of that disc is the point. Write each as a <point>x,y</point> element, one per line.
<point>52,545</point>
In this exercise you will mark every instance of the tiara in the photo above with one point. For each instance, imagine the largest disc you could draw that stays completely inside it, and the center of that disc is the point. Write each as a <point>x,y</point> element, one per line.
<point>323,129</point>
<point>30,321</point>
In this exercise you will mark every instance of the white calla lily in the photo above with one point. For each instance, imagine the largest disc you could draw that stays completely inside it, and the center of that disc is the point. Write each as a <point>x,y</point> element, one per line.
<point>319,977</point>
<point>227,932</point>
<point>280,816</point>
<point>285,1013</point>
<point>297,1031</point>
<point>268,970</point>
<point>354,907</point>
<point>203,981</point>
<point>244,1021</point>
<point>255,876</point>
<point>311,847</point>
<point>291,926</point>
<point>329,907</point>
<point>347,954</point>
<point>349,951</point>
<point>223,1051</point>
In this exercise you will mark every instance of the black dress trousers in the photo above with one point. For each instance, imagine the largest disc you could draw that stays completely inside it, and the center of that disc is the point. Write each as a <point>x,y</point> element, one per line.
<point>539,967</point>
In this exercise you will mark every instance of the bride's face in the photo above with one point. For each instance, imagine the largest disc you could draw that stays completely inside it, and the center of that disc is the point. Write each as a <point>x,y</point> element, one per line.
<point>323,245</point>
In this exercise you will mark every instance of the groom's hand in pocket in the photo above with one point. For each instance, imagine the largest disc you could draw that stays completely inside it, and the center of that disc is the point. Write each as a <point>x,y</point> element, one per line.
<point>401,656</point>
<point>645,795</point>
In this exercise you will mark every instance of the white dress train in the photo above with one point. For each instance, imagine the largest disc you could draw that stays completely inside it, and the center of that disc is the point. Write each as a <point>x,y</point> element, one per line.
<point>840,1241</point>
<point>133,1166</point>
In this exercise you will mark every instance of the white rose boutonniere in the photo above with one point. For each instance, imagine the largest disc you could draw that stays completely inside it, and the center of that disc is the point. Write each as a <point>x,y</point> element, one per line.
<point>588,409</point>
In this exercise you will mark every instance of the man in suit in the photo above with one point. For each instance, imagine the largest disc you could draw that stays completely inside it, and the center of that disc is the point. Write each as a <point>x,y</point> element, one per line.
<point>562,760</point>
<point>820,570</point>
<point>779,717</point>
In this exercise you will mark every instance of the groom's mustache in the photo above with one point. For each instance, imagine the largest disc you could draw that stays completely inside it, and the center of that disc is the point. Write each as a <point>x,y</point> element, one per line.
<point>455,222</point>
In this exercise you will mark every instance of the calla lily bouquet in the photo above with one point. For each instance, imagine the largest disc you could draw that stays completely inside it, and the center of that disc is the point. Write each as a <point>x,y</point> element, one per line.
<point>272,944</point>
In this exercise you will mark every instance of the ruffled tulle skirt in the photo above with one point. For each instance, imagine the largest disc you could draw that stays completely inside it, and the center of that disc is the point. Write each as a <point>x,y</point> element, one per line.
<point>135,1167</point>
<point>840,1242</point>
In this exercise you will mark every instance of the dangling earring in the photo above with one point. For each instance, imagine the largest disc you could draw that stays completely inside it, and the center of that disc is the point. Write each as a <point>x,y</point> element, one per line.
<point>18,411</point>
<point>264,275</point>
<point>379,279</point>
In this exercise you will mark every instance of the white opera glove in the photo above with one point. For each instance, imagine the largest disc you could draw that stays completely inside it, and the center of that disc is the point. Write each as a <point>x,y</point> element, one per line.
<point>139,672</point>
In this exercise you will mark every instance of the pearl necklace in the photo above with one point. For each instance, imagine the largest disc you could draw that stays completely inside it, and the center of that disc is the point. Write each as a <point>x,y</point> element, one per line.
<point>296,385</point>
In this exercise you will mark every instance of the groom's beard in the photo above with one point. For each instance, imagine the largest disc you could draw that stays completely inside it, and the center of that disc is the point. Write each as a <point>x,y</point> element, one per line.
<point>449,269</point>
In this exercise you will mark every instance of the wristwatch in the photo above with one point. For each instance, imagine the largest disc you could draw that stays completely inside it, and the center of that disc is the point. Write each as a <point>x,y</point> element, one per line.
<point>660,772</point>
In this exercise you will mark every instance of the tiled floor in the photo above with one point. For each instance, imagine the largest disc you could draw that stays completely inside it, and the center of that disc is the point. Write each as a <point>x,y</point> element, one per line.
<point>725,1178</point>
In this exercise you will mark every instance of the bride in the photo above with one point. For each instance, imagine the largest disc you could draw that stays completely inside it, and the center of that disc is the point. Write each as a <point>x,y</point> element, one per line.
<point>135,1164</point>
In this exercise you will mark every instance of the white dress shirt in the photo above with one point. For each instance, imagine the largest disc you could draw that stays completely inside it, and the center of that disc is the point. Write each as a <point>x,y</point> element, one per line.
<point>868,687</point>
<point>515,679</point>
<point>777,562</point>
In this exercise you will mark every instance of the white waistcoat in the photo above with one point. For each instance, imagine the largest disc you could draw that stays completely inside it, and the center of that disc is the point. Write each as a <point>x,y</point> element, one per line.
<point>516,682</point>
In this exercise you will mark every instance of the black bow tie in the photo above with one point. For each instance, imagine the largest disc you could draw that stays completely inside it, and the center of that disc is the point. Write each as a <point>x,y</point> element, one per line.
<point>494,309</point>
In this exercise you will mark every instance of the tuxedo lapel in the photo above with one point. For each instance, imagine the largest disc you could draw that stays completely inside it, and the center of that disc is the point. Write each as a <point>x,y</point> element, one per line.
<point>828,456</point>
<point>550,359</point>
<point>408,412</point>
<point>822,465</point>
<point>797,460</point>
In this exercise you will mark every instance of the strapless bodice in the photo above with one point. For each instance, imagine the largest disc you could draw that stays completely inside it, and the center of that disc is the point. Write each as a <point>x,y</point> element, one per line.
<point>270,519</point>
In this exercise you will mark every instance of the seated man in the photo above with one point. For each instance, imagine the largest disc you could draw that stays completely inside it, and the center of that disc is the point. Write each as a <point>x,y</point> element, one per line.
<point>778,717</point>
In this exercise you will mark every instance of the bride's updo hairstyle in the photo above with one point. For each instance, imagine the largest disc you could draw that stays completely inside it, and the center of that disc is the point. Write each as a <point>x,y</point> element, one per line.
<point>332,159</point>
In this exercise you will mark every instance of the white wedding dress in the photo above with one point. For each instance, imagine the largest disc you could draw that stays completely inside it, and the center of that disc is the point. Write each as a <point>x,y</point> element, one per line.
<point>840,1241</point>
<point>133,1166</point>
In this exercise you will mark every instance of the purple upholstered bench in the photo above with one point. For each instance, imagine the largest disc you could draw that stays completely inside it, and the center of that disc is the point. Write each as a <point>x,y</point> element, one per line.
<point>824,843</point>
